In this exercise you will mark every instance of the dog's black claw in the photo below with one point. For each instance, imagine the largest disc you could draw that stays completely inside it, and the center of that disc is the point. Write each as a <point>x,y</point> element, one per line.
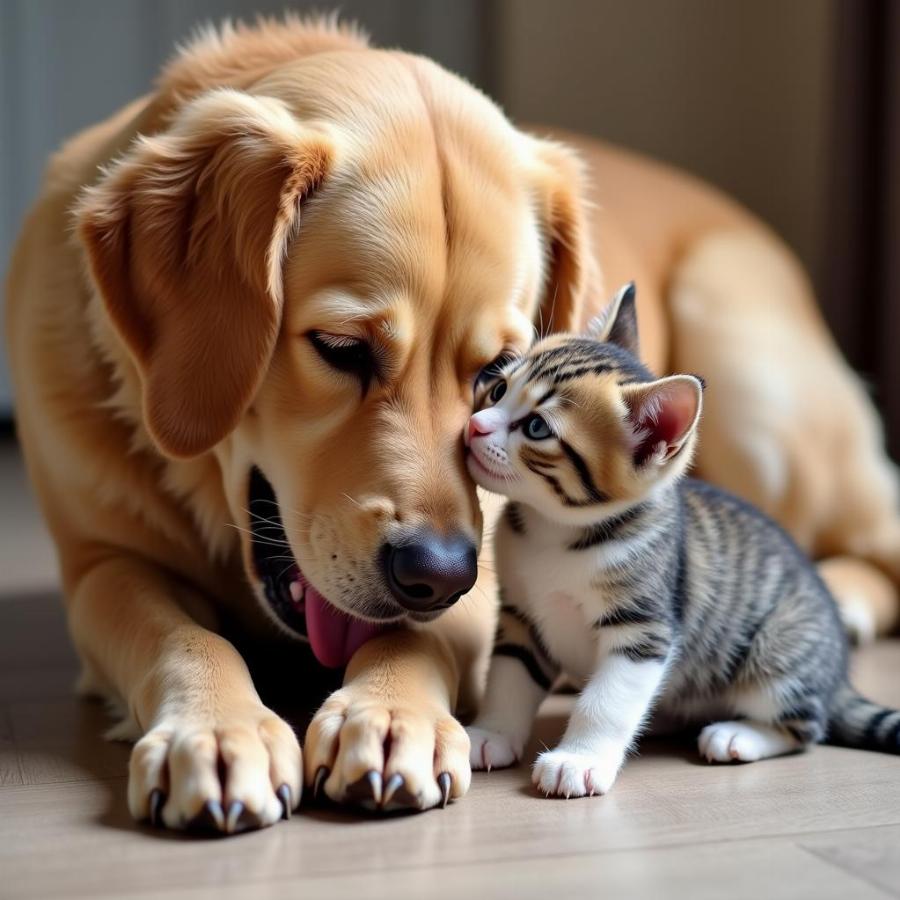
<point>400,796</point>
<point>157,802</point>
<point>239,819</point>
<point>322,774</point>
<point>284,795</point>
<point>367,791</point>
<point>394,783</point>
<point>445,782</point>
<point>375,786</point>
<point>234,813</point>
<point>210,818</point>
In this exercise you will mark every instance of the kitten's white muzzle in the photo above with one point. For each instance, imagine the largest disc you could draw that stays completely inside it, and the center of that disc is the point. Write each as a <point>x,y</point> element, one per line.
<point>486,436</point>
<point>485,423</point>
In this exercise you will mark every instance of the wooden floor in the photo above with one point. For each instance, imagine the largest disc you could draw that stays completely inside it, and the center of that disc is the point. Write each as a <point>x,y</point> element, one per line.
<point>820,825</point>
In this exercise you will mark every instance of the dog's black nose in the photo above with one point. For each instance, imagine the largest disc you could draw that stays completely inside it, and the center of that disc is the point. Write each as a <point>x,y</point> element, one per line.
<point>430,572</point>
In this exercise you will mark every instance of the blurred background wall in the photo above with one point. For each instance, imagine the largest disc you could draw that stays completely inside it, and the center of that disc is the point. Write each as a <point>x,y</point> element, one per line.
<point>737,92</point>
<point>772,100</point>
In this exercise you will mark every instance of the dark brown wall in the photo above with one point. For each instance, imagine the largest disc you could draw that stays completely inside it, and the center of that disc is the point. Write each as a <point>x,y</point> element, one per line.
<point>737,92</point>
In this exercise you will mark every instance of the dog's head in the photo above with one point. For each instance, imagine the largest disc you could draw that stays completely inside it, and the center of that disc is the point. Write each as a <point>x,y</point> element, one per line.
<point>310,280</point>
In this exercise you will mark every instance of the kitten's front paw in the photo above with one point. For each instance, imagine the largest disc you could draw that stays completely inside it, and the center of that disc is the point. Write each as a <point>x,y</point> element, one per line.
<point>492,750</point>
<point>561,773</point>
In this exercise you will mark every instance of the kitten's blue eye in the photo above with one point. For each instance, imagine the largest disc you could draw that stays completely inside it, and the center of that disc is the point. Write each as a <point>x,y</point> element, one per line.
<point>536,428</point>
<point>497,391</point>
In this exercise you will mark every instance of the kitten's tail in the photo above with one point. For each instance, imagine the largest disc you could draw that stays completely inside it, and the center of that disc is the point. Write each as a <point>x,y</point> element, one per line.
<point>858,722</point>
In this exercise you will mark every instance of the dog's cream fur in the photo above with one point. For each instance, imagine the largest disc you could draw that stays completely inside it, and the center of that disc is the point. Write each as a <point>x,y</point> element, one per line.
<point>284,178</point>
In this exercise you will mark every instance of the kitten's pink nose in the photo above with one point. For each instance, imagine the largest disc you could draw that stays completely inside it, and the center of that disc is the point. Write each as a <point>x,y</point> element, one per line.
<point>478,427</point>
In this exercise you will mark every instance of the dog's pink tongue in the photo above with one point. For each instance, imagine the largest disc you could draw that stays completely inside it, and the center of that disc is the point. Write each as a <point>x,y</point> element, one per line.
<point>334,636</point>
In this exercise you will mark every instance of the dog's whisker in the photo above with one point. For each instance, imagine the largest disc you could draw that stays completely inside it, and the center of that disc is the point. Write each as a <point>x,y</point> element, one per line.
<point>262,539</point>
<point>278,519</point>
<point>257,517</point>
<point>288,567</point>
<point>264,527</point>
<point>262,520</point>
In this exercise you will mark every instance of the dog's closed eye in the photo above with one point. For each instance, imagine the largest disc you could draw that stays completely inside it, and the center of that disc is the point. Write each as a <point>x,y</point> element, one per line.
<point>348,354</point>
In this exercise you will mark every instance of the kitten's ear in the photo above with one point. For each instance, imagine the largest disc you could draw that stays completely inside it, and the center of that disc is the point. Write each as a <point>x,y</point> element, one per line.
<point>617,324</point>
<point>663,415</point>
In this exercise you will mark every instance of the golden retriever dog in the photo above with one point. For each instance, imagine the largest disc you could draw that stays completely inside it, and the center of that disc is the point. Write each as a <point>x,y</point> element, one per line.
<point>245,320</point>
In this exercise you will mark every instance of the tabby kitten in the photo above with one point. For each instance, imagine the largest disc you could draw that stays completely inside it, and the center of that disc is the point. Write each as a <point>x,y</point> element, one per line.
<point>649,588</point>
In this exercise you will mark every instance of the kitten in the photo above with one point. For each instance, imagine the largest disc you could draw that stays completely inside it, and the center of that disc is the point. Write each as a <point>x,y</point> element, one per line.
<point>651,589</point>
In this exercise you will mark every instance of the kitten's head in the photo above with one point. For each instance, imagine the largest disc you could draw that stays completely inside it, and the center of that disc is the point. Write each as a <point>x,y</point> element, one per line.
<point>578,427</point>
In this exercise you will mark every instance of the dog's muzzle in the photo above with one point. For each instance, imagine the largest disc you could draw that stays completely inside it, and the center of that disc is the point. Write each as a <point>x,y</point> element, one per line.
<point>333,635</point>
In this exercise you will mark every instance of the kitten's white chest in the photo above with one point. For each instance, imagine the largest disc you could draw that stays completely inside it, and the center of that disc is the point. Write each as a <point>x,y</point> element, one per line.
<point>552,586</point>
<point>567,634</point>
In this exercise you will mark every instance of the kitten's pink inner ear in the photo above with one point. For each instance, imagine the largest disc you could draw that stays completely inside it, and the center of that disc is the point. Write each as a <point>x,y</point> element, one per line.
<point>663,415</point>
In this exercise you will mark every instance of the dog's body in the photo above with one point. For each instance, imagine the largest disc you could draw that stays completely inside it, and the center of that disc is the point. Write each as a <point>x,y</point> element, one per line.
<point>174,344</point>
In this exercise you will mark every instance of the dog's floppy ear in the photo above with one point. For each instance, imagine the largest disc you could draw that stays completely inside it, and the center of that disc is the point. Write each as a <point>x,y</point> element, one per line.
<point>185,237</point>
<point>570,266</point>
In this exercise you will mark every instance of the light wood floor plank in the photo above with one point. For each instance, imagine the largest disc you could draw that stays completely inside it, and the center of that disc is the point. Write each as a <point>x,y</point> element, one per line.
<point>747,871</point>
<point>873,855</point>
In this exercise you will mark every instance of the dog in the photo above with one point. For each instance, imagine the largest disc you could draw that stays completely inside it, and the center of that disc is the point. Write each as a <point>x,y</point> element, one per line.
<point>245,319</point>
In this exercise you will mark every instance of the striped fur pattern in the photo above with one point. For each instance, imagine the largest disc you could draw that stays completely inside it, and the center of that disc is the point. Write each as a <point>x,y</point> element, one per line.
<point>651,589</point>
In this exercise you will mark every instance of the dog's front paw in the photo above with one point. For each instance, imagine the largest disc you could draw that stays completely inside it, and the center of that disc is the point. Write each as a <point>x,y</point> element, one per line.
<point>241,771</point>
<point>382,755</point>
<point>491,749</point>
<point>562,773</point>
